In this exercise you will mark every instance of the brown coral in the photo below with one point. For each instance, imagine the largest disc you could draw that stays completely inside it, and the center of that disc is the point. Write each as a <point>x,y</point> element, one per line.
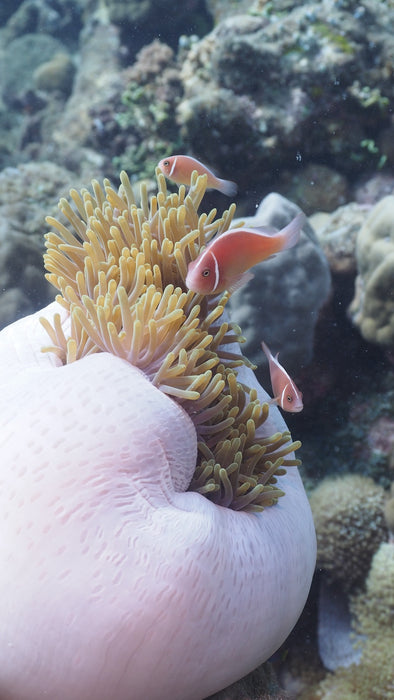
<point>349,521</point>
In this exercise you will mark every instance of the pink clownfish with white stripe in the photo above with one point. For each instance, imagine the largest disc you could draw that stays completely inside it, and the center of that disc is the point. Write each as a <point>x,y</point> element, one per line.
<point>179,169</point>
<point>224,263</point>
<point>286,394</point>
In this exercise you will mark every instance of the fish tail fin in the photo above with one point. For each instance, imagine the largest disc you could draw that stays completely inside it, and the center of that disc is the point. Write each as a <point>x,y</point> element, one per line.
<point>228,187</point>
<point>292,232</point>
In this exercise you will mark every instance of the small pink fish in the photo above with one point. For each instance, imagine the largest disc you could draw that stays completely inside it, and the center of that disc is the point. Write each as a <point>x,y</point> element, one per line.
<point>225,261</point>
<point>286,394</point>
<point>180,168</point>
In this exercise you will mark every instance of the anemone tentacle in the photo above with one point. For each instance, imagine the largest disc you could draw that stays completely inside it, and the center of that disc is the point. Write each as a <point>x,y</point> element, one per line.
<point>120,269</point>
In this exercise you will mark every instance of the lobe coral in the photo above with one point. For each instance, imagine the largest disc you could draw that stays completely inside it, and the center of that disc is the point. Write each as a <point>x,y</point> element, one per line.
<point>135,456</point>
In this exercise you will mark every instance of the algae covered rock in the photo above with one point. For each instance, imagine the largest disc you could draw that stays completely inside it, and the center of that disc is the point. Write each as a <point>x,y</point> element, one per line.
<point>26,195</point>
<point>283,77</point>
<point>141,20</point>
<point>24,55</point>
<point>372,309</point>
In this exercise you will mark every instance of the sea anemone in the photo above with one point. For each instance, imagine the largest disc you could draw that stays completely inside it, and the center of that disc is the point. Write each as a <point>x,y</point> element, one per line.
<point>121,276</point>
<point>115,580</point>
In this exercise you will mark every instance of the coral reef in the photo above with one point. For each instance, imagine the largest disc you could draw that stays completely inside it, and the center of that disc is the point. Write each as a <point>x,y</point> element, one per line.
<point>145,119</point>
<point>337,235</point>
<point>269,92</point>
<point>350,525</point>
<point>97,81</point>
<point>56,74</point>
<point>356,413</point>
<point>22,286</point>
<point>62,19</point>
<point>24,55</point>
<point>375,609</point>
<point>121,276</point>
<point>220,9</point>
<point>26,195</point>
<point>296,69</point>
<point>292,286</point>
<point>389,512</point>
<point>354,627</point>
<point>316,188</point>
<point>373,677</point>
<point>373,188</point>
<point>141,21</point>
<point>372,308</point>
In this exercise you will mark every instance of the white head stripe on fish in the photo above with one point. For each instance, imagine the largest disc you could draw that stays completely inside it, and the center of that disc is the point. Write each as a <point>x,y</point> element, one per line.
<point>283,395</point>
<point>217,275</point>
<point>283,371</point>
<point>173,166</point>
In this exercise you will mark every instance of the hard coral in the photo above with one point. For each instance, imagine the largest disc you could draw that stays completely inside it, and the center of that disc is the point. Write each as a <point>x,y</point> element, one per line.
<point>372,308</point>
<point>121,275</point>
<point>373,677</point>
<point>146,116</point>
<point>349,521</point>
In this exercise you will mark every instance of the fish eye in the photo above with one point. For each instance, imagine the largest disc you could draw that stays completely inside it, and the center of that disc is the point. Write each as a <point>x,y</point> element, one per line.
<point>289,398</point>
<point>205,273</point>
<point>166,162</point>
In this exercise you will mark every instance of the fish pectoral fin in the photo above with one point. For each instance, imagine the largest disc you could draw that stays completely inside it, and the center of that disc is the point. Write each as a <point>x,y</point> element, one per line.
<point>239,281</point>
<point>275,401</point>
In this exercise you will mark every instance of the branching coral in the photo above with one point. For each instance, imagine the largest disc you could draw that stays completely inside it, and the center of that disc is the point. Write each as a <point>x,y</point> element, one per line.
<point>121,275</point>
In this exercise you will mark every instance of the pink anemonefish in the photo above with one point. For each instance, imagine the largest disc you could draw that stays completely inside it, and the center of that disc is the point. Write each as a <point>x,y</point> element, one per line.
<point>286,394</point>
<point>225,262</point>
<point>180,168</point>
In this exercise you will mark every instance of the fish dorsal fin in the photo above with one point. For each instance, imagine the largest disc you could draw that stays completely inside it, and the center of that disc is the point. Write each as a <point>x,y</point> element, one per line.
<point>266,230</point>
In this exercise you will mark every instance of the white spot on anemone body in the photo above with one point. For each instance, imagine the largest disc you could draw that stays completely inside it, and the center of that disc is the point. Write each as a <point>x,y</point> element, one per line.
<point>114,582</point>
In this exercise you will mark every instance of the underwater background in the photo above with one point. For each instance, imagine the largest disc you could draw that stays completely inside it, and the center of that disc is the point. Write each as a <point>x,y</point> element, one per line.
<point>292,98</point>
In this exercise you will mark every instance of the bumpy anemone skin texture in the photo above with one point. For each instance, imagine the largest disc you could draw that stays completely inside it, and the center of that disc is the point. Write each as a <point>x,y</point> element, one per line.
<point>114,583</point>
